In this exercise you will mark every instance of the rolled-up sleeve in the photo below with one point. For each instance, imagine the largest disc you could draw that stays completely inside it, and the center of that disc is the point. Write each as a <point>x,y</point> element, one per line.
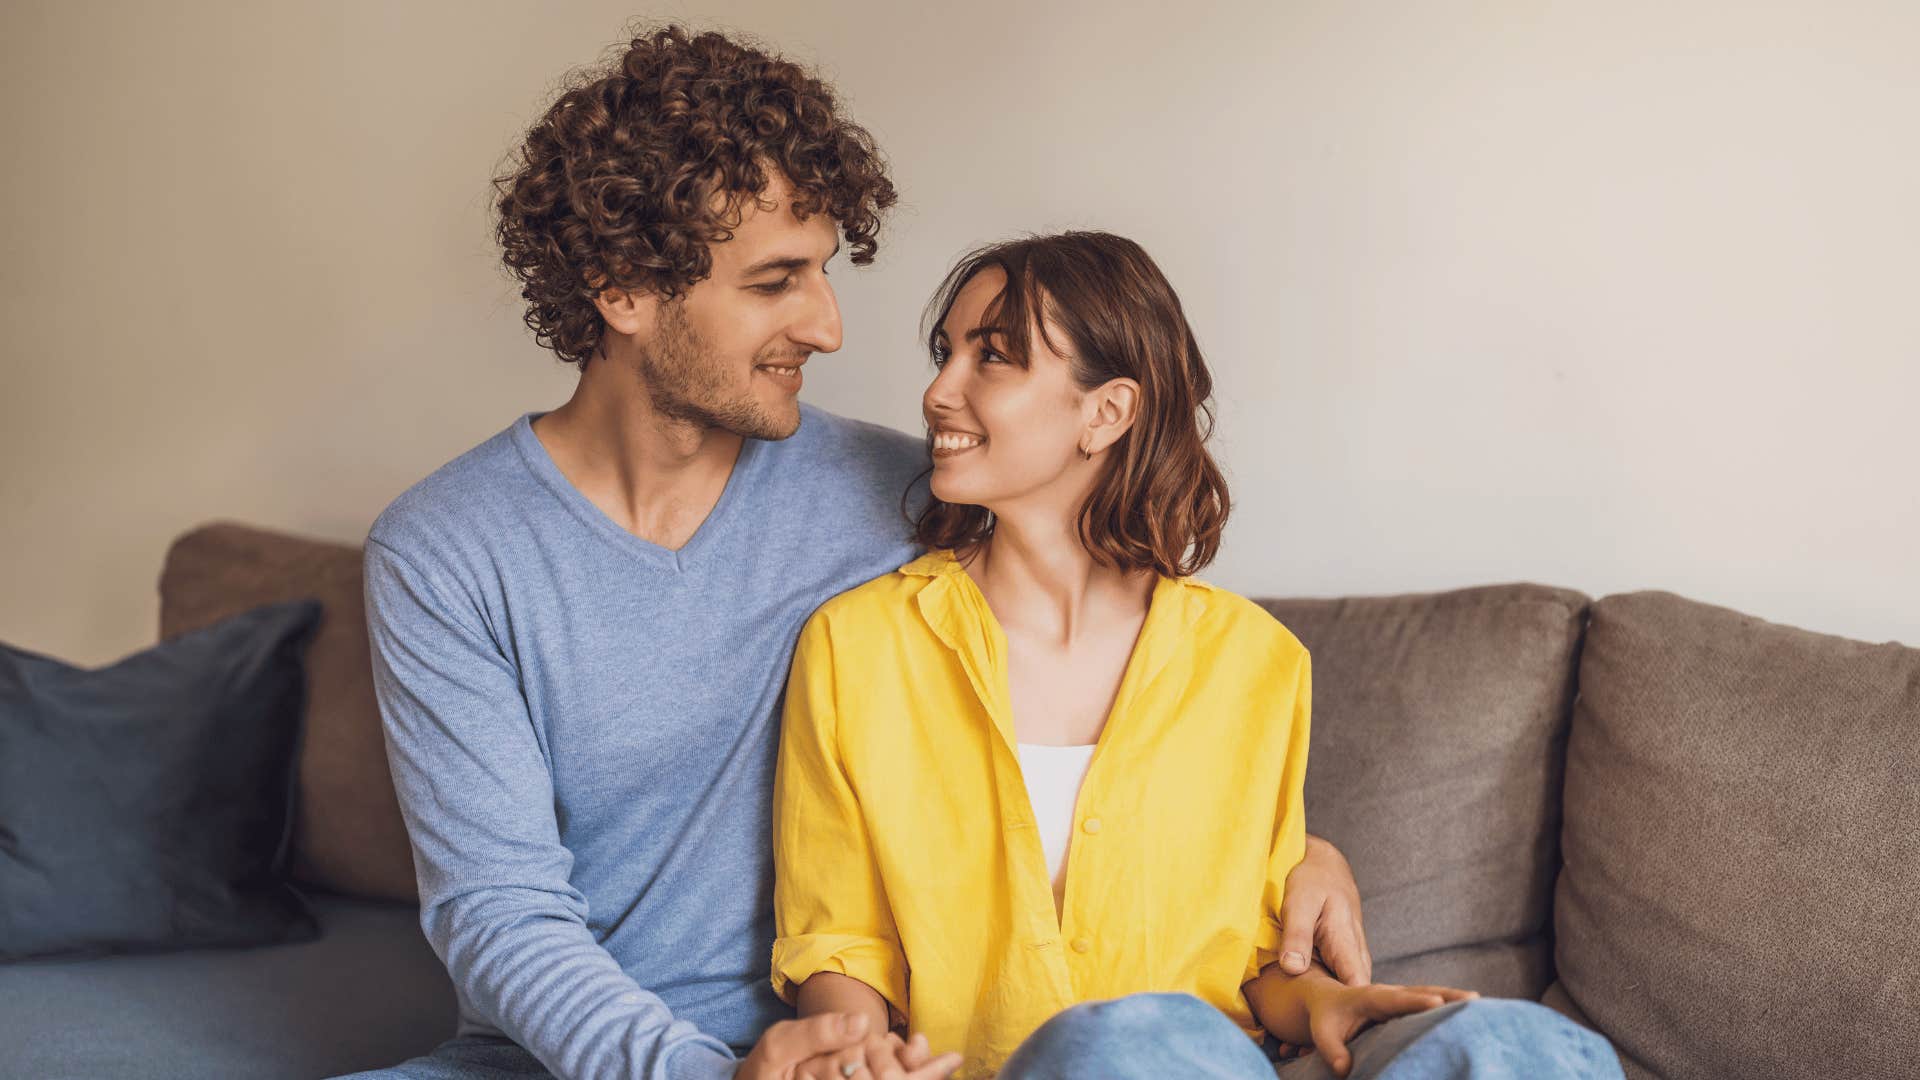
<point>1290,823</point>
<point>830,904</point>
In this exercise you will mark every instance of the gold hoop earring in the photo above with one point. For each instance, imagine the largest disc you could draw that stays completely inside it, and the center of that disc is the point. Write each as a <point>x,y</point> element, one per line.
<point>1085,453</point>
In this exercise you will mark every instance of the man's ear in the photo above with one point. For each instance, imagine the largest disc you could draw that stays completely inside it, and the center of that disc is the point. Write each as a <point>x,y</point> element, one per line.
<point>1116,405</point>
<point>631,313</point>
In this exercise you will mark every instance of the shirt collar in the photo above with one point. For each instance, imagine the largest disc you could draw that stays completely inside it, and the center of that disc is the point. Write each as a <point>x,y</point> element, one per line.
<point>934,563</point>
<point>958,615</point>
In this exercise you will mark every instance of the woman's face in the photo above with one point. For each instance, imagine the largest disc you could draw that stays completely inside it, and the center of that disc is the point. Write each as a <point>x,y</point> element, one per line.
<point>1002,434</point>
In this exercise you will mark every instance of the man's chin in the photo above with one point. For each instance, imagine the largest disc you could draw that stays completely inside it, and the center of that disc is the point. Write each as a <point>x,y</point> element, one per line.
<point>784,431</point>
<point>771,423</point>
<point>782,420</point>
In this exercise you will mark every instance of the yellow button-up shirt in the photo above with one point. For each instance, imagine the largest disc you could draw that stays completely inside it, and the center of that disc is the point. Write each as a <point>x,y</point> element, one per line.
<point>905,848</point>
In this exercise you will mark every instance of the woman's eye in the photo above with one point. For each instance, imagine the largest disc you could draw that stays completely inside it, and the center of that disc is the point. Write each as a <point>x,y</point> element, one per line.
<point>988,356</point>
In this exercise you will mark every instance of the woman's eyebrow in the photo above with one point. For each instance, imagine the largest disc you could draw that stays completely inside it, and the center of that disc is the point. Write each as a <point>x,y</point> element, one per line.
<point>978,333</point>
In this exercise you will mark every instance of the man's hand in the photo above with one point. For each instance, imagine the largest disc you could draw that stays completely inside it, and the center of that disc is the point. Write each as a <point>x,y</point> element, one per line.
<point>790,1042</point>
<point>880,1057</point>
<point>1336,1013</point>
<point>1322,907</point>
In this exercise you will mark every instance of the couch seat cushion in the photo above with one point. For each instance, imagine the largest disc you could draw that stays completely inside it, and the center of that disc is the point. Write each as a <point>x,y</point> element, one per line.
<point>368,993</point>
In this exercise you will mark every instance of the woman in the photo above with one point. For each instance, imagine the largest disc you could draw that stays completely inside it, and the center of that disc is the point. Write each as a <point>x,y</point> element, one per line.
<point>1042,765</point>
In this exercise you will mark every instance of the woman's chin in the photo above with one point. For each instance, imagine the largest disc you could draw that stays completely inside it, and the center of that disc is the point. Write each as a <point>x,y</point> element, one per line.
<point>947,491</point>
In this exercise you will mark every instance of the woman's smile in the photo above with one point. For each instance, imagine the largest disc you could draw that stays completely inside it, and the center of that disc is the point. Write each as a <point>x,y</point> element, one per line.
<point>948,444</point>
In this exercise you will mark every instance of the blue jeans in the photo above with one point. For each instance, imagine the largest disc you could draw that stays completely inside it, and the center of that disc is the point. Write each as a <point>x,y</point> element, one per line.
<point>1161,1036</point>
<point>1155,1036</point>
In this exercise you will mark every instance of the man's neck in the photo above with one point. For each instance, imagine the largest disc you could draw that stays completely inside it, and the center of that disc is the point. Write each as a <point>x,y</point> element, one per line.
<point>654,476</point>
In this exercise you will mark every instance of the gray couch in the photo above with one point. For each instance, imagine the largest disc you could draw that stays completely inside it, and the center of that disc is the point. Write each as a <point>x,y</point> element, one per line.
<point>1695,831</point>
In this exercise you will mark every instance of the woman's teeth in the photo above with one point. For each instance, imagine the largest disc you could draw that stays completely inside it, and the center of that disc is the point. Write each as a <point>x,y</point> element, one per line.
<point>949,441</point>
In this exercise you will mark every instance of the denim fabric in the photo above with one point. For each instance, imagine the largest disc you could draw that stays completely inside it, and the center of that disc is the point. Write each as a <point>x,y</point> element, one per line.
<point>1153,1036</point>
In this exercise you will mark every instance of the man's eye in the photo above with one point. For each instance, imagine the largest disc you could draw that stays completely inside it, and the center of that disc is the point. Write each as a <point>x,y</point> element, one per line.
<point>773,288</point>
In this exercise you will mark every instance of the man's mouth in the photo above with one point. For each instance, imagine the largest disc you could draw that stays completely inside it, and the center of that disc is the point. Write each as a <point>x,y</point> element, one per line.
<point>788,375</point>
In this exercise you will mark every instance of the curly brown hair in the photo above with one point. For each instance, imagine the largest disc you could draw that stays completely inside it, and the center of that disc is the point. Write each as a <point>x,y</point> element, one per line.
<point>1162,501</point>
<point>615,185</point>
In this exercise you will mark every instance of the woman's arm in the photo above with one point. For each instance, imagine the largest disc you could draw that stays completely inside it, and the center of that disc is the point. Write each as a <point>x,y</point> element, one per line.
<point>1317,1009</point>
<point>830,991</point>
<point>1280,1001</point>
<point>830,910</point>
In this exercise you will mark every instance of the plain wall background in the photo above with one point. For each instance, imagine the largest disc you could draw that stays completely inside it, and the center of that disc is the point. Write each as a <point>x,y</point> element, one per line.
<point>1610,296</point>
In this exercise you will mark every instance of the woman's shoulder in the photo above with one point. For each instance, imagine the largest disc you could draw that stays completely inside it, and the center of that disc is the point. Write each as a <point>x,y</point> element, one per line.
<point>1231,619</point>
<point>881,605</point>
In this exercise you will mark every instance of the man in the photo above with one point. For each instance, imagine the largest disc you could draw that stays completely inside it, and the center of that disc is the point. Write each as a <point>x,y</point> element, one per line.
<point>582,627</point>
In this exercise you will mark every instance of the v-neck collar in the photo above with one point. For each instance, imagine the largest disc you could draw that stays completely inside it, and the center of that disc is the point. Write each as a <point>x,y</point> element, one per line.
<point>534,452</point>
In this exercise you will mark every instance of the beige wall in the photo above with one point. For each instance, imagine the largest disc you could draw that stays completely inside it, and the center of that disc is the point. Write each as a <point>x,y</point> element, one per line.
<point>1610,296</point>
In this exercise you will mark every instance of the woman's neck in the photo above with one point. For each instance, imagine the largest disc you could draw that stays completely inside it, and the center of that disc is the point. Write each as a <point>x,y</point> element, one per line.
<point>1040,579</point>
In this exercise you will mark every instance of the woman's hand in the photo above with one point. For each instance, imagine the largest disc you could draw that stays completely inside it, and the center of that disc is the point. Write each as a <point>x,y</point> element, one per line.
<point>880,1057</point>
<point>1336,1013</point>
<point>1322,907</point>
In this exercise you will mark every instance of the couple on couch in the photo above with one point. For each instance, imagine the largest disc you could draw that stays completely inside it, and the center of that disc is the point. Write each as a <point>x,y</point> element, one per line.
<point>1025,798</point>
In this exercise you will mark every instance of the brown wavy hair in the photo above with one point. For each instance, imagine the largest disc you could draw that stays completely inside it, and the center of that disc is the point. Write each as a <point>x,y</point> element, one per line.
<point>615,185</point>
<point>1161,500</point>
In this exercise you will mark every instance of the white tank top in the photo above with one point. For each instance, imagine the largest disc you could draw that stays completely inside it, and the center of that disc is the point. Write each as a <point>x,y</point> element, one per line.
<point>1053,775</point>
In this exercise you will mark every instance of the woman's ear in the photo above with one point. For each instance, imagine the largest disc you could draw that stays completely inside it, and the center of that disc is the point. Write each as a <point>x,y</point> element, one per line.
<point>1116,405</point>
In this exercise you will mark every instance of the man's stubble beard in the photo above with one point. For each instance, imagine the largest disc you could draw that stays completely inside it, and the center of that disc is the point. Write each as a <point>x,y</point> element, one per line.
<point>686,385</point>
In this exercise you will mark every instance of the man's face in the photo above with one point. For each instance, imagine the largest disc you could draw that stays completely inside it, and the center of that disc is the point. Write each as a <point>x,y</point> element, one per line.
<point>727,353</point>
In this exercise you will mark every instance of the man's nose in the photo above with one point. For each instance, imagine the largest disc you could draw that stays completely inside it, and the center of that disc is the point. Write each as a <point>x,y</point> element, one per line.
<point>819,328</point>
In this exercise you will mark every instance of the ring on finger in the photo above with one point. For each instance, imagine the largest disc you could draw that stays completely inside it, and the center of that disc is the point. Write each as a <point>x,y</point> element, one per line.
<point>852,1067</point>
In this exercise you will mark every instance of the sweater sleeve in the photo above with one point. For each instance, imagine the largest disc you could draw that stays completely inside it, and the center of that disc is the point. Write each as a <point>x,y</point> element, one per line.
<point>830,906</point>
<point>496,900</point>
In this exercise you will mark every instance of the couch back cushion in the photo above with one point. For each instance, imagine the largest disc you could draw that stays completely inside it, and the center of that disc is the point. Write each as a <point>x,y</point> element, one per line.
<point>1741,895</point>
<point>348,836</point>
<point>1439,728</point>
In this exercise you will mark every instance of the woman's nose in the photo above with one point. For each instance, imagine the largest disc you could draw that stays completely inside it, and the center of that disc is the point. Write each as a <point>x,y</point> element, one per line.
<point>943,393</point>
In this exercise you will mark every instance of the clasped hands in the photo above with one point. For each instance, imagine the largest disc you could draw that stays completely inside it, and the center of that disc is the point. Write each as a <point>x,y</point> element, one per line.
<point>1319,916</point>
<point>842,1046</point>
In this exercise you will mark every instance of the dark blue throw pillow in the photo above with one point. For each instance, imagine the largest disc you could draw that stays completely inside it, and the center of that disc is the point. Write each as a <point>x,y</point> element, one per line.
<point>147,805</point>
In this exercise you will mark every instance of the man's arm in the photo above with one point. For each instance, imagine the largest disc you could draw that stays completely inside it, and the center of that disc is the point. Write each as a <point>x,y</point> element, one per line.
<point>1322,909</point>
<point>495,899</point>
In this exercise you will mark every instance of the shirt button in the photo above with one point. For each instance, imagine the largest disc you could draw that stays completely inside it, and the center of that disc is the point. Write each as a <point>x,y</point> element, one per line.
<point>1091,825</point>
<point>1081,945</point>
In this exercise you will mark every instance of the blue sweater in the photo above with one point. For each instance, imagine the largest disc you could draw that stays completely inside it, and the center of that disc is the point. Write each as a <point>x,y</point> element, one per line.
<point>582,729</point>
